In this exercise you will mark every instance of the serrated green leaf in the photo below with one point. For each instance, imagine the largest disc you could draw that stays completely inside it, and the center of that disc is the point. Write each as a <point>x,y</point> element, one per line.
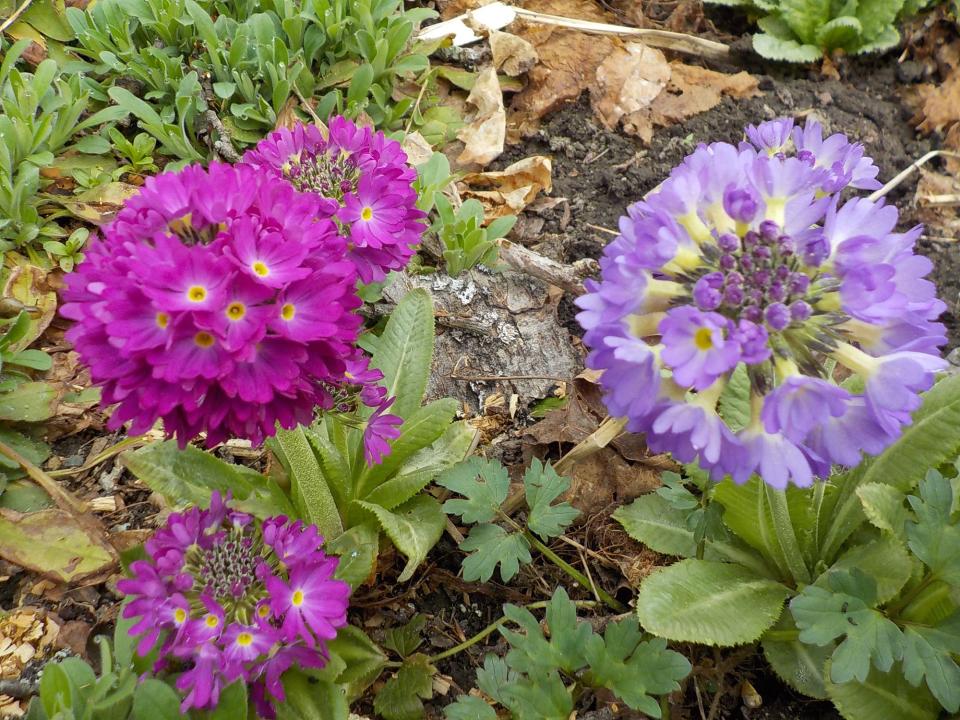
<point>405,640</point>
<point>885,508</point>
<point>877,16</point>
<point>414,528</point>
<point>883,695</point>
<point>652,520</point>
<point>490,545</point>
<point>308,699</point>
<point>543,486</point>
<point>357,549</point>
<point>928,654</point>
<point>309,483</point>
<point>469,707</point>
<point>494,676</point>
<point>846,610</point>
<point>362,660</point>
<point>841,32</point>
<point>402,696</point>
<point>542,698</point>
<point>798,664</point>
<point>932,537</point>
<point>484,485</point>
<point>884,559</point>
<point>531,653</point>
<point>774,48</point>
<point>805,17</point>
<point>702,601</point>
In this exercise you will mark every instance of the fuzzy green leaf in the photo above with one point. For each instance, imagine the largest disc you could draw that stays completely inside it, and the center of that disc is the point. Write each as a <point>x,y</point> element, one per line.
<point>846,610</point>
<point>653,521</point>
<point>357,549</point>
<point>469,707</point>
<point>490,545</point>
<point>702,601</point>
<point>735,399</point>
<point>840,33</point>
<point>805,17</point>
<point>882,695</point>
<point>543,486</point>
<point>929,654</point>
<point>798,664</point>
<point>884,559</point>
<point>484,485</point>
<point>884,507</point>
<point>311,491</point>
<point>414,528</point>
<point>402,696</point>
<point>933,538</point>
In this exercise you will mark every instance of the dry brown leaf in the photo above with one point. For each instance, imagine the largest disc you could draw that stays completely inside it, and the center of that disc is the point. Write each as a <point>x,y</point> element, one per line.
<point>691,91</point>
<point>25,634</point>
<point>939,104</point>
<point>512,53</point>
<point>100,204</point>
<point>628,81</point>
<point>287,117</point>
<point>508,191</point>
<point>568,62</point>
<point>34,288</point>
<point>940,221</point>
<point>417,148</point>
<point>486,131</point>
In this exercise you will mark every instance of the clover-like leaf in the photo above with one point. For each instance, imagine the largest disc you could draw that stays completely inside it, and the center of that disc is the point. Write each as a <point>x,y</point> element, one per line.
<point>402,696</point>
<point>484,485</point>
<point>534,654</point>
<point>405,640</point>
<point>846,610</point>
<point>543,486</point>
<point>469,707</point>
<point>490,545</point>
<point>933,538</point>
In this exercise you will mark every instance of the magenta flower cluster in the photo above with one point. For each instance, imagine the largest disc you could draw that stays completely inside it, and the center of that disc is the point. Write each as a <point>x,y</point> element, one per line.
<point>223,300</point>
<point>363,182</point>
<point>231,598</point>
<point>747,267</point>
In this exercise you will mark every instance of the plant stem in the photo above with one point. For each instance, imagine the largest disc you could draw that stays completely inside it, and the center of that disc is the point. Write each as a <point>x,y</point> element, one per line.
<point>923,603</point>
<point>608,431</point>
<point>63,499</point>
<point>578,576</point>
<point>786,535</point>
<point>896,608</point>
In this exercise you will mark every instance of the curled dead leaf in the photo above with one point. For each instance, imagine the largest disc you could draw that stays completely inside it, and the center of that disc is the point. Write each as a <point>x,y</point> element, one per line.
<point>486,131</point>
<point>628,81</point>
<point>512,53</point>
<point>33,288</point>
<point>508,191</point>
<point>417,148</point>
<point>99,205</point>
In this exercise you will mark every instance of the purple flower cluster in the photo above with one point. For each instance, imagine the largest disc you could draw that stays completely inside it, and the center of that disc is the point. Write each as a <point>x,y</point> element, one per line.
<point>363,182</point>
<point>747,260</point>
<point>222,301</point>
<point>231,598</point>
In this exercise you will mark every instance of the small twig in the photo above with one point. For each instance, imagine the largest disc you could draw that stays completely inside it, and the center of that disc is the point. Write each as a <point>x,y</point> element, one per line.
<point>101,457</point>
<point>309,108</point>
<point>602,229</point>
<point>696,691</point>
<point>904,174</point>
<point>721,681</point>
<point>64,500</point>
<point>416,105</point>
<point>948,200</point>
<point>223,145</point>
<point>567,277</point>
<point>610,429</point>
<point>21,9</point>
<point>586,568</point>
<point>497,378</point>
<point>19,689</point>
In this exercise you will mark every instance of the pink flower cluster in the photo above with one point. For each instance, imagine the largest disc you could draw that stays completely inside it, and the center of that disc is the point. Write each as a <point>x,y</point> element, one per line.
<point>222,300</point>
<point>231,598</point>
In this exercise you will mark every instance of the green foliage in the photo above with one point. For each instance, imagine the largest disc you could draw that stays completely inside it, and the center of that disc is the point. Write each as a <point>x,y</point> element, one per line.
<point>806,30</point>
<point>23,400</point>
<point>484,485</point>
<point>868,560</point>
<point>466,242</point>
<point>541,673</point>
<point>401,698</point>
<point>246,61</point>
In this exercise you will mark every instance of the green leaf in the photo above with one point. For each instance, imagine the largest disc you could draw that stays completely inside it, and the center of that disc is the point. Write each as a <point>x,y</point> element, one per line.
<point>490,545</point>
<point>414,527</point>
<point>29,402</point>
<point>652,520</point>
<point>58,693</point>
<point>929,654</point>
<point>309,699</point>
<point>543,486</point>
<point>188,476</point>
<point>33,450</point>
<point>884,559</point>
<point>846,610</point>
<point>841,32</point>
<point>532,653</point>
<point>484,485</point>
<point>362,660</point>
<point>232,704</point>
<point>882,695</point>
<point>469,707</point>
<point>702,601</point>
<point>933,538</point>
<point>735,399</point>
<point>804,17</point>
<point>309,482</point>
<point>25,496</point>
<point>155,700</point>
<point>774,48</point>
<point>405,640</point>
<point>357,549</point>
<point>404,352</point>
<point>541,698</point>
<point>401,698</point>
<point>798,664</point>
<point>884,507</point>
<point>748,514</point>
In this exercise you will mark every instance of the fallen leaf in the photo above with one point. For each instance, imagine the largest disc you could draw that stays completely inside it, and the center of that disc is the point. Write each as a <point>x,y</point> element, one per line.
<point>25,634</point>
<point>508,191</point>
<point>416,147</point>
<point>36,51</point>
<point>100,204</point>
<point>34,288</point>
<point>73,636</point>
<point>486,131</point>
<point>628,81</point>
<point>512,53</point>
<point>941,221</point>
<point>53,543</point>
<point>939,104</point>
<point>287,117</point>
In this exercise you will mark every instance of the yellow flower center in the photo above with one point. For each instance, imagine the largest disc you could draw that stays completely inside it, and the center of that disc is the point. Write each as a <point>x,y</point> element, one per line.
<point>263,611</point>
<point>236,311</point>
<point>297,598</point>
<point>203,339</point>
<point>180,616</point>
<point>703,339</point>
<point>197,293</point>
<point>244,639</point>
<point>288,311</point>
<point>212,621</point>
<point>367,214</point>
<point>260,268</point>
<point>181,225</point>
<point>162,320</point>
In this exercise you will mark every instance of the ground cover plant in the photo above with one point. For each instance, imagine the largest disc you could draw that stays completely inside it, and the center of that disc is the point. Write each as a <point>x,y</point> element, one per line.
<point>350,370</point>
